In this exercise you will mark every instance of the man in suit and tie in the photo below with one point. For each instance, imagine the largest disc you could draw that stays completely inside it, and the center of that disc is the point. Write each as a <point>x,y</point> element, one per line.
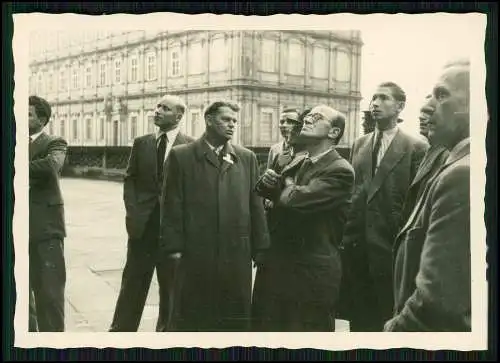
<point>214,225</point>
<point>385,162</point>
<point>288,119</point>
<point>431,163</point>
<point>432,271</point>
<point>142,196</point>
<point>298,278</point>
<point>47,230</point>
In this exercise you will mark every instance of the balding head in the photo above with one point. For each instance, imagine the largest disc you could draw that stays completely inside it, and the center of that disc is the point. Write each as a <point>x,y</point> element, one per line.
<point>169,112</point>
<point>335,123</point>
<point>450,122</point>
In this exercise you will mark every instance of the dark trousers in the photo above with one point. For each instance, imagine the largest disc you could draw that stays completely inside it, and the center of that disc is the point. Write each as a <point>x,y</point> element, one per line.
<point>47,284</point>
<point>365,301</point>
<point>280,315</point>
<point>142,260</point>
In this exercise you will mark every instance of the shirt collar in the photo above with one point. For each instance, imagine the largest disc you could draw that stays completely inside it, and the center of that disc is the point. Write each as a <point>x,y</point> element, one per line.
<point>316,158</point>
<point>35,136</point>
<point>389,132</point>
<point>171,135</point>
<point>217,149</point>
<point>459,146</point>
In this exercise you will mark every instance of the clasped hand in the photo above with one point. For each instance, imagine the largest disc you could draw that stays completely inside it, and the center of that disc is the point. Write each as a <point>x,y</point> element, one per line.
<point>271,178</point>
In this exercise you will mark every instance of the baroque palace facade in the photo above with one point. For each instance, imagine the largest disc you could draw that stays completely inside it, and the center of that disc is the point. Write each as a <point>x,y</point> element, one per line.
<point>104,86</point>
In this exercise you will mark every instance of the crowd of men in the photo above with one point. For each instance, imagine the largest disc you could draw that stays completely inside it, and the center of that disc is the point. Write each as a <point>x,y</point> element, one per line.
<point>381,239</point>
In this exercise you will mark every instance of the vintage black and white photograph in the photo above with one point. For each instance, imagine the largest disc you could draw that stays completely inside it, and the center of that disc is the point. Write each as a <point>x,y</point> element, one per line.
<point>250,177</point>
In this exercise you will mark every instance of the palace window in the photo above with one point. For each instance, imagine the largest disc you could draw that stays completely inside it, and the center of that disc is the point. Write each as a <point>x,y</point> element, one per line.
<point>75,129</point>
<point>343,69</point>
<point>133,69</point>
<point>269,49</point>
<point>195,58</point>
<point>175,61</point>
<point>218,55</point>
<point>102,125</point>
<point>39,87</point>
<point>76,81</point>
<point>320,62</point>
<point>50,82</point>
<point>102,74</point>
<point>88,76</point>
<point>63,81</point>
<point>62,128</point>
<point>118,71</point>
<point>151,123</point>
<point>133,127</point>
<point>88,133</point>
<point>266,125</point>
<point>296,58</point>
<point>151,67</point>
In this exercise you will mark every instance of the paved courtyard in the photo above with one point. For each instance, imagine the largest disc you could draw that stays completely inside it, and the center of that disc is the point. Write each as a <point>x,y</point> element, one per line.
<point>95,250</point>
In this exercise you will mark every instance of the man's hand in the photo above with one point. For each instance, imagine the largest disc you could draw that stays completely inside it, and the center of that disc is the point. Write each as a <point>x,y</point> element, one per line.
<point>288,181</point>
<point>175,256</point>
<point>271,178</point>
<point>268,204</point>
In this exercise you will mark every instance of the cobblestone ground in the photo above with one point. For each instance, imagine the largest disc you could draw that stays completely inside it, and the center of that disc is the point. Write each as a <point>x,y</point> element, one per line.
<point>95,249</point>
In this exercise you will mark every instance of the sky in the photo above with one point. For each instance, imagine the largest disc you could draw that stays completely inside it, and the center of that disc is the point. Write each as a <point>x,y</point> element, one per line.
<point>410,51</point>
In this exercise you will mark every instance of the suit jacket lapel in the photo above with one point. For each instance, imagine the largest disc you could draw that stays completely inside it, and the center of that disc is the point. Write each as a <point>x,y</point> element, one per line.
<point>38,145</point>
<point>151,148</point>
<point>365,157</point>
<point>392,156</point>
<point>427,164</point>
<point>203,151</point>
<point>296,161</point>
<point>326,160</point>
<point>451,159</point>
<point>228,150</point>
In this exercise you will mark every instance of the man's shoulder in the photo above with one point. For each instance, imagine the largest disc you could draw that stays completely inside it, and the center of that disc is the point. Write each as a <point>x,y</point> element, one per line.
<point>243,151</point>
<point>55,138</point>
<point>185,139</point>
<point>456,173</point>
<point>419,142</point>
<point>140,139</point>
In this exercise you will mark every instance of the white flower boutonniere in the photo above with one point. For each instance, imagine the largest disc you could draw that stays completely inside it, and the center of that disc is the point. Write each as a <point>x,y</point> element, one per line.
<point>227,158</point>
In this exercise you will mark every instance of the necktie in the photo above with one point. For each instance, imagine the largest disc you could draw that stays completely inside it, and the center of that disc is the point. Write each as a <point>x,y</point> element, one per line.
<point>162,148</point>
<point>376,149</point>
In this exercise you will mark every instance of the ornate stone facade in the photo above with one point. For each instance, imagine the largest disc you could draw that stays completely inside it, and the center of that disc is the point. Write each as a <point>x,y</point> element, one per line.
<point>104,87</point>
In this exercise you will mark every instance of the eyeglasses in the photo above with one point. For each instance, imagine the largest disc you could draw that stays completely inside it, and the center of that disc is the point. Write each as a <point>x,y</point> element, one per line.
<point>314,118</point>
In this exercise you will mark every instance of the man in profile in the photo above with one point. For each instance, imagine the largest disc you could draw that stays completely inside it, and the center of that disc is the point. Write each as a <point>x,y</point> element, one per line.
<point>431,163</point>
<point>298,278</point>
<point>142,196</point>
<point>432,270</point>
<point>214,225</point>
<point>47,228</point>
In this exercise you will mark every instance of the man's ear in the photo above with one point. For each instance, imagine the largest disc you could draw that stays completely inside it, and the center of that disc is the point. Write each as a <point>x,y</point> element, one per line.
<point>401,106</point>
<point>334,133</point>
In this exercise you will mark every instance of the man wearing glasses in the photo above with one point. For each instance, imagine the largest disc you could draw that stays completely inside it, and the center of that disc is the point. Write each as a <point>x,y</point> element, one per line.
<point>298,278</point>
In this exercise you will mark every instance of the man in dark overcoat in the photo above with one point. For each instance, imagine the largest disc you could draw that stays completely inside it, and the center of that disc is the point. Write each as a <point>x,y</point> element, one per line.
<point>298,278</point>
<point>385,162</point>
<point>432,269</point>
<point>213,224</point>
<point>47,228</point>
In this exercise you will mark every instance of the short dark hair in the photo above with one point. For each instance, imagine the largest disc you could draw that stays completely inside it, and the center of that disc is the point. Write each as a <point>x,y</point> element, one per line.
<point>339,121</point>
<point>213,108</point>
<point>42,107</point>
<point>397,91</point>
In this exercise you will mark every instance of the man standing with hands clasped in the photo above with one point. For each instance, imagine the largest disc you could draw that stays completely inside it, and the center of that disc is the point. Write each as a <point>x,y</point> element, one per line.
<point>142,196</point>
<point>214,225</point>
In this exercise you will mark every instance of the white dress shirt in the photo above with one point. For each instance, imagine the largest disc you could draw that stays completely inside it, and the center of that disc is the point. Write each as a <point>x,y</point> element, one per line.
<point>385,142</point>
<point>35,136</point>
<point>217,149</point>
<point>171,136</point>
